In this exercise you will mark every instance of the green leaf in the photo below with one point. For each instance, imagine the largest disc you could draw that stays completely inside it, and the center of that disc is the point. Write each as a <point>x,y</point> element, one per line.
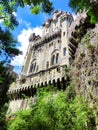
<point>35,10</point>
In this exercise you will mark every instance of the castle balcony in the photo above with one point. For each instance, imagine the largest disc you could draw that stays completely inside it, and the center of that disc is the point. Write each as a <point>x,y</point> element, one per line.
<point>73,41</point>
<point>72,49</point>
<point>75,34</point>
<point>71,55</point>
<point>71,52</point>
<point>72,46</point>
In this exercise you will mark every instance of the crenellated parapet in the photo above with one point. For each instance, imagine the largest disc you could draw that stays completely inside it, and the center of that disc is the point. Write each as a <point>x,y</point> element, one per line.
<point>47,38</point>
<point>28,85</point>
<point>34,37</point>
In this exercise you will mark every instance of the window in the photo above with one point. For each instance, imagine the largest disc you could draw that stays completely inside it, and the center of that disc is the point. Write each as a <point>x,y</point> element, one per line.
<point>57,58</point>
<point>64,51</point>
<point>37,68</point>
<point>53,60</point>
<point>59,41</point>
<point>47,65</point>
<point>32,67</point>
<point>63,33</point>
<point>51,44</point>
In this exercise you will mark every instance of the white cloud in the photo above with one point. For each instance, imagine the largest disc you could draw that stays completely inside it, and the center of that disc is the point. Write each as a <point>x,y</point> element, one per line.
<point>14,13</point>
<point>21,21</point>
<point>1,20</point>
<point>23,39</point>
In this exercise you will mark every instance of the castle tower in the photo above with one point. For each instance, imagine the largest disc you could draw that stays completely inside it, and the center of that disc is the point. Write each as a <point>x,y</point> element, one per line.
<point>52,48</point>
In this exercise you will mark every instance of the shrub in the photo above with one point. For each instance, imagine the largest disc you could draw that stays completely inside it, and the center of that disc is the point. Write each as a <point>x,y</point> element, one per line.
<point>55,111</point>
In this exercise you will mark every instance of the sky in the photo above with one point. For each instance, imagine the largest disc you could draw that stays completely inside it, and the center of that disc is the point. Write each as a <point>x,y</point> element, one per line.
<point>28,24</point>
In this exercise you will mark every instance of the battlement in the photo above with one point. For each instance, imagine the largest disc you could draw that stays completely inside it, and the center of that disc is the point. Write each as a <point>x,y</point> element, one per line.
<point>33,37</point>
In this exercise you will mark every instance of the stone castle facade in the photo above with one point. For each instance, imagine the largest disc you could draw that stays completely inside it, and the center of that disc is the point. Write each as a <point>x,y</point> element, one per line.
<point>45,60</point>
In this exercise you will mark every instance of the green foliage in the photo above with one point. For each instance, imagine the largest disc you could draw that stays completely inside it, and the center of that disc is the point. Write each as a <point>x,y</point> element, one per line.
<point>21,121</point>
<point>39,5</point>
<point>6,79</point>
<point>55,111</point>
<point>7,45</point>
<point>68,74</point>
<point>86,5</point>
<point>8,7</point>
<point>47,6</point>
<point>6,13</point>
<point>35,9</point>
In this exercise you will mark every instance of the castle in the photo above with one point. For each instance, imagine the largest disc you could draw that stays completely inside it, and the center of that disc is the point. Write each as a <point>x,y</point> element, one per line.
<point>45,60</point>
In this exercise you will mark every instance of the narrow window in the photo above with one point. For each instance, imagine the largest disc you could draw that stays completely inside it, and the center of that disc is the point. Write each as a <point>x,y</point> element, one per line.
<point>64,51</point>
<point>47,65</point>
<point>53,60</point>
<point>37,68</point>
<point>63,33</point>
<point>49,45</point>
<point>57,58</point>
<point>58,41</point>
<point>31,68</point>
<point>52,44</point>
<point>34,67</point>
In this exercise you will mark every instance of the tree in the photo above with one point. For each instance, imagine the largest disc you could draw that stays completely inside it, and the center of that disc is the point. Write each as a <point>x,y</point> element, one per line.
<point>39,5</point>
<point>8,44</point>
<point>7,51</point>
<point>8,48</point>
<point>7,9</point>
<point>6,13</point>
<point>90,6</point>
<point>5,80</point>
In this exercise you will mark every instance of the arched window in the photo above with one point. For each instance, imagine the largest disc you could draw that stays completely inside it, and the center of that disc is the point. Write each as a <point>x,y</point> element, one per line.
<point>32,67</point>
<point>57,57</point>
<point>53,60</point>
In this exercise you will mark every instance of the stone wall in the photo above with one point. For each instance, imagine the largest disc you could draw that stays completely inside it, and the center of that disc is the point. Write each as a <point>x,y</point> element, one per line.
<point>85,62</point>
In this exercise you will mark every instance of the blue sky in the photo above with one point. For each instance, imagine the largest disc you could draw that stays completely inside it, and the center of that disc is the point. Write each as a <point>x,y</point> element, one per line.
<point>29,23</point>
